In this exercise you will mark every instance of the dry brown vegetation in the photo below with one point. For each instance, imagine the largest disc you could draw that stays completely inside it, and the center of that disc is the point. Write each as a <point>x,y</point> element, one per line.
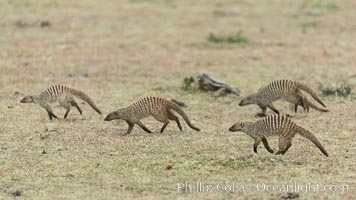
<point>120,51</point>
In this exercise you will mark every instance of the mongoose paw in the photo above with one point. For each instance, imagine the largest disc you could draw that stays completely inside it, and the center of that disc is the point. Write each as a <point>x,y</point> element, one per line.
<point>255,146</point>
<point>270,150</point>
<point>260,115</point>
<point>279,152</point>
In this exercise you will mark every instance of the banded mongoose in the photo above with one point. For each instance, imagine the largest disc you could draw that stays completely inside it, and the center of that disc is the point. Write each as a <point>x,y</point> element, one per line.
<point>64,95</point>
<point>280,125</point>
<point>157,107</point>
<point>282,89</point>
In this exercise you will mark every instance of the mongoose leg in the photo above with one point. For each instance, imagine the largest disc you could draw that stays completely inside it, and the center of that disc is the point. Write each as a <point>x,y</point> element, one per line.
<point>265,143</point>
<point>271,106</point>
<point>164,126</point>
<point>73,103</point>
<point>300,100</point>
<point>66,114</point>
<point>131,125</point>
<point>139,123</point>
<point>263,113</point>
<point>260,115</point>
<point>306,106</point>
<point>303,104</point>
<point>283,144</point>
<point>51,115</point>
<point>289,144</point>
<point>171,116</point>
<point>279,152</point>
<point>49,111</point>
<point>65,103</point>
<point>296,107</point>
<point>255,145</point>
<point>179,125</point>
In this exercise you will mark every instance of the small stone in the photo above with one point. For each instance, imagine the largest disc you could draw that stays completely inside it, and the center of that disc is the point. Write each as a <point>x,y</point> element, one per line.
<point>17,193</point>
<point>169,167</point>
<point>45,24</point>
<point>291,195</point>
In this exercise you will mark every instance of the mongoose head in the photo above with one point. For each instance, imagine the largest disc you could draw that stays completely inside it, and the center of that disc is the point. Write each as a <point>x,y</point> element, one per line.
<point>242,126</point>
<point>28,99</point>
<point>251,99</point>
<point>113,116</point>
<point>237,127</point>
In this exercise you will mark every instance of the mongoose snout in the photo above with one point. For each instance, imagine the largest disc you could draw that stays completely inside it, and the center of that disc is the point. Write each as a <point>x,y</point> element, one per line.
<point>27,99</point>
<point>241,103</point>
<point>109,117</point>
<point>235,127</point>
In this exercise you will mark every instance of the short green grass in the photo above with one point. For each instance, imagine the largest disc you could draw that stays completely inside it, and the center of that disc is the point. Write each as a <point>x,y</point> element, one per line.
<point>238,38</point>
<point>336,90</point>
<point>325,4</point>
<point>309,24</point>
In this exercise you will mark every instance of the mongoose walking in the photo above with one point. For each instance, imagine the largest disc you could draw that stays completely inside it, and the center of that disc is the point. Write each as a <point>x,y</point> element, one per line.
<point>157,107</point>
<point>282,89</point>
<point>64,95</point>
<point>280,125</point>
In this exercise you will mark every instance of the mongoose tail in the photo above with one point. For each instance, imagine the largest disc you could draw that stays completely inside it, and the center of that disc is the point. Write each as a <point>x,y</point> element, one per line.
<point>176,108</point>
<point>86,98</point>
<point>311,92</point>
<point>309,135</point>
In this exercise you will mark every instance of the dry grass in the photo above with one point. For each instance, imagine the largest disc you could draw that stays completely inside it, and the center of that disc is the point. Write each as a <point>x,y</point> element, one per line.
<point>120,51</point>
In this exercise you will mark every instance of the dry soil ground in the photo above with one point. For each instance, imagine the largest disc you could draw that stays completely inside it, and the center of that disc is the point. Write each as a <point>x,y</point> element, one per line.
<point>120,51</point>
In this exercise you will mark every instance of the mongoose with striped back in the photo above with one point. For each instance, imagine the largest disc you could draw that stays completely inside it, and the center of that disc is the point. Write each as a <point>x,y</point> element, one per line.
<point>280,125</point>
<point>282,89</point>
<point>64,95</point>
<point>161,109</point>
